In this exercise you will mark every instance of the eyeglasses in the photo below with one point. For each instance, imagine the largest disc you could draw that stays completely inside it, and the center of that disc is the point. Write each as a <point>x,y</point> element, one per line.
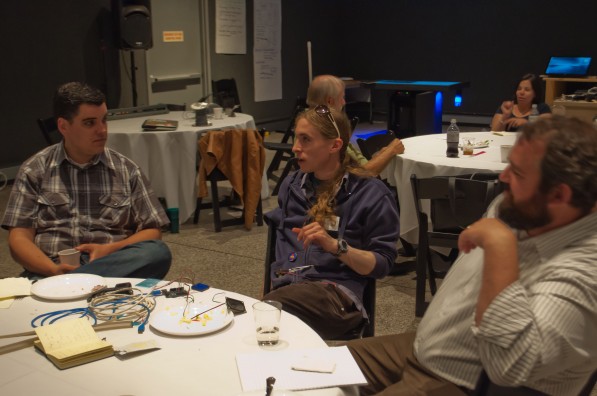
<point>323,110</point>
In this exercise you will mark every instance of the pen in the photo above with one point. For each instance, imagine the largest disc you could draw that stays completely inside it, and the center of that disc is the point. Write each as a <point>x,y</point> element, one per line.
<point>479,153</point>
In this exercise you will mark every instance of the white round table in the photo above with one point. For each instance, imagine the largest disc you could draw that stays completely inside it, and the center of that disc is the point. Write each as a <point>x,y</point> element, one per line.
<point>425,156</point>
<point>169,158</point>
<point>197,365</point>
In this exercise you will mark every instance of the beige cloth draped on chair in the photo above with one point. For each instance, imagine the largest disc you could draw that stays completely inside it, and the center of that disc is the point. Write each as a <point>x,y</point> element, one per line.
<point>240,156</point>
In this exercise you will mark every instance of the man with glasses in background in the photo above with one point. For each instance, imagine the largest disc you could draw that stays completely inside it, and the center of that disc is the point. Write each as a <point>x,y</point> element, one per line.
<point>329,90</point>
<point>336,227</point>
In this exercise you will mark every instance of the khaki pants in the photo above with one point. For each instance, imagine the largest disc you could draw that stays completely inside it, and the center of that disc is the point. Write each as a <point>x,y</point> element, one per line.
<point>391,369</point>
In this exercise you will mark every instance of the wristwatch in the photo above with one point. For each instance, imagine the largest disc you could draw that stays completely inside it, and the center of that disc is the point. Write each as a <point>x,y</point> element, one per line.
<point>342,247</point>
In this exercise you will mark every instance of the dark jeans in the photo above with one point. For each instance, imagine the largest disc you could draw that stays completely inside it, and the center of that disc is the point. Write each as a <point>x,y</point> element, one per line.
<point>146,259</point>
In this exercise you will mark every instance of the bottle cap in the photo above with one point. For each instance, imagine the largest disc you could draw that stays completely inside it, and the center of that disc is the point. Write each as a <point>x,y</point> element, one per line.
<point>453,120</point>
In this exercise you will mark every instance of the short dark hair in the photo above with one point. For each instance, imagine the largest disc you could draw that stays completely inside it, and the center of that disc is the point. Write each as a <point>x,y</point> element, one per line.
<point>536,84</point>
<point>570,157</point>
<point>70,96</point>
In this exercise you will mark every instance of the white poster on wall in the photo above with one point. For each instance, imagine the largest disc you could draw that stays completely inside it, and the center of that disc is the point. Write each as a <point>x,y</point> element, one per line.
<point>231,27</point>
<point>267,49</point>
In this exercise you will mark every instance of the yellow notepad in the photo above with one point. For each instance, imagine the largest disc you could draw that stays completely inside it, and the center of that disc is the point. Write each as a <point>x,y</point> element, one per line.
<point>71,342</point>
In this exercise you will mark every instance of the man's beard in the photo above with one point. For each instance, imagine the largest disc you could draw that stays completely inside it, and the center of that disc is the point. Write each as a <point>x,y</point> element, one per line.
<point>525,215</point>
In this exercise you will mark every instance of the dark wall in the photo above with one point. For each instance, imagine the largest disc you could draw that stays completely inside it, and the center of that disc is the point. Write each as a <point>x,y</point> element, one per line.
<point>491,44</point>
<point>47,43</point>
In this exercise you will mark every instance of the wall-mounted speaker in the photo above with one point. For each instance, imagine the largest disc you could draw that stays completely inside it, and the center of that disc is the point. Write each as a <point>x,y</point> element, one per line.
<point>133,23</point>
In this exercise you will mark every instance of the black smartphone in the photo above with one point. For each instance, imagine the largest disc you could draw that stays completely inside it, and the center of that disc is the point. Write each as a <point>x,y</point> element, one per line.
<point>200,287</point>
<point>237,307</point>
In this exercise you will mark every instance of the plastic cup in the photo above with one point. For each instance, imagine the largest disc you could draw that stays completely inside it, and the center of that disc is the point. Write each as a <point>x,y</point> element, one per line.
<point>218,113</point>
<point>505,152</point>
<point>468,146</point>
<point>70,256</point>
<point>267,322</point>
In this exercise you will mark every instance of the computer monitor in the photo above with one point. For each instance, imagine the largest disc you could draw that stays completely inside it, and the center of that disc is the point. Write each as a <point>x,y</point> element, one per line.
<point>568,66</point>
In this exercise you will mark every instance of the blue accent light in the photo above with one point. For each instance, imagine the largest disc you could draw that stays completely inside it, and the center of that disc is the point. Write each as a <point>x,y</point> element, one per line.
<point>457,100</point>
<point>439,101</point>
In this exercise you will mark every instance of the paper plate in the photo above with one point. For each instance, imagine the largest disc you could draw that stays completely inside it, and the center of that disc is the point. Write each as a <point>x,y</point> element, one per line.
<point>171,320</point>
<point>67,286</point>
<point>478,145</point>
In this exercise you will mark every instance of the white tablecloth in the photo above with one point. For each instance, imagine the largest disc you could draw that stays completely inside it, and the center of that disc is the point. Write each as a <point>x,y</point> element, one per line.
<point>425,156</point>
<point>169,158</point>
<point>201,365</point>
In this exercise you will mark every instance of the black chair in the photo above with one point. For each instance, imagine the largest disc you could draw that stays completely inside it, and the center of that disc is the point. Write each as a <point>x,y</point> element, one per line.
<point>283,149</point>
<point>455,203</point>
<point>49,130</point>
<point>225,94</point>
<point>369,294</point>
<point>354,121</point>
<point>373,144</point>
<point>217,175</point>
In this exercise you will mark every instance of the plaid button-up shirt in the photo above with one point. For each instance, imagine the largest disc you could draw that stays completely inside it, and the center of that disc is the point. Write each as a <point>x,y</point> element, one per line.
<point>67,204</point>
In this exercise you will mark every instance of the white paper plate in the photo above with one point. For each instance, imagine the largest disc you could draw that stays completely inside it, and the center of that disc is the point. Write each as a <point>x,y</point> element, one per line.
<point>478,145</point>
<point>171,320</point>
<point>67,286</point>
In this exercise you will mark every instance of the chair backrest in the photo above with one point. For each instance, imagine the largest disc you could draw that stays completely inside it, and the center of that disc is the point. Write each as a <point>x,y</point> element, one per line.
<point>369,294</point>
<point>225,93</point>
<point>456,201</point>
<point>354,121</point>
<point>299,106</point>
<point>375,143</point>
<point>49,130</point>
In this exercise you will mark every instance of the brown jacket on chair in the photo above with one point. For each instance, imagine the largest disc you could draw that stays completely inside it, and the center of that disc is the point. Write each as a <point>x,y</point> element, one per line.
<point>240,156</point>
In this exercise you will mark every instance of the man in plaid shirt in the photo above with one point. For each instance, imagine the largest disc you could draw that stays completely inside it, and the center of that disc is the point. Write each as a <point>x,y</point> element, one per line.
<point>80,194</point>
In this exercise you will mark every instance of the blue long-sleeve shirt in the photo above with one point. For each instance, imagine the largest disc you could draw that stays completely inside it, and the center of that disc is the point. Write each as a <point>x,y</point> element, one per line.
<point>368,221</point>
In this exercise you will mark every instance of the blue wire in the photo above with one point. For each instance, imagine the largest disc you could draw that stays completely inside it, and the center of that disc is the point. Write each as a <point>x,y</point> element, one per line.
<point>52,317</point>
<point>83,312</point>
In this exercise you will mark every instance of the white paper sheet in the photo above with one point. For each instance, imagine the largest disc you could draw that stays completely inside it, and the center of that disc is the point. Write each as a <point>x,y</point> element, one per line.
<point>11,287</point>
<point>231,27</point>
<point>255,367</point>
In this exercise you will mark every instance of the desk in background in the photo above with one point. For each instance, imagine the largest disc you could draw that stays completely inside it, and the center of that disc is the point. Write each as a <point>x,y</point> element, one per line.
<point>169,158</point>
<point>200,365</point>
<point>414,105</point>
<point>425,156</point>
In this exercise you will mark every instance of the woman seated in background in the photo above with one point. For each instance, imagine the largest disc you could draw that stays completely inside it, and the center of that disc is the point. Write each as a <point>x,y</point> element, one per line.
<point>512,115</point>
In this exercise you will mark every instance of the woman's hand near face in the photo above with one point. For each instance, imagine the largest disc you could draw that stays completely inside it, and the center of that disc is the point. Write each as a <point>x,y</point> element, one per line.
<point>506,109</point>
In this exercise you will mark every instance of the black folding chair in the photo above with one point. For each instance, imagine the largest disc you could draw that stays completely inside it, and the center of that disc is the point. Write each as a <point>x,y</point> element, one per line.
<point>225,93</point>
<point>456,202</point>
<point>49,130</point>
<point>374,143</point>
<point>283,148</point>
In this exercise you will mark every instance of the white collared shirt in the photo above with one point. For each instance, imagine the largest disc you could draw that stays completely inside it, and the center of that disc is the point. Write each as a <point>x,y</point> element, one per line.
<point>539,332</point>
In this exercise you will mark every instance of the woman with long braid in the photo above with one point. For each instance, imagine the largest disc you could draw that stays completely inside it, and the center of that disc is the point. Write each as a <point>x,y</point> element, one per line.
<point>336,227</point>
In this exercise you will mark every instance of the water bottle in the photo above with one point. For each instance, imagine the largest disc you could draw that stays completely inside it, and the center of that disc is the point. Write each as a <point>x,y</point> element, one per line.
<point>452,139</point>
<point>534,116</point>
